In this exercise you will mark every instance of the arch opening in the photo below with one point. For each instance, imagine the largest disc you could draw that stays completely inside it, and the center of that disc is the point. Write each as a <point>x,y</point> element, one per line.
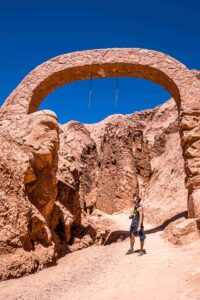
<point>71,101</point>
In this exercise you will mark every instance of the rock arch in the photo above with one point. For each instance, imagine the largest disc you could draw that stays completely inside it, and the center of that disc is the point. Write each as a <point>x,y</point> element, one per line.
<point>182,83</point>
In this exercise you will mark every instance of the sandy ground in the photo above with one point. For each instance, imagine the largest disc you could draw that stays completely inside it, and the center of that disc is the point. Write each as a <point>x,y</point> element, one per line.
<point>105,273</point>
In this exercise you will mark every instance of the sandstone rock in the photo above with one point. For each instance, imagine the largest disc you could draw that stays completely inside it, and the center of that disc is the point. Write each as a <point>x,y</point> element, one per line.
<point>183,84</point>
<point>194,203</point>
<point>165,195</point>
<point>183,231</point>
<point>48,194</point>
<point>28,165</point>
<point>141,152</point>
<point>78,160</point>
<point>51,195</point>
<point>123,155</point>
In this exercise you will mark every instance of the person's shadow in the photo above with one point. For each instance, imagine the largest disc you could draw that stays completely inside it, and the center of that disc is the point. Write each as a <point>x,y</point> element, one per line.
<point>120,235</point>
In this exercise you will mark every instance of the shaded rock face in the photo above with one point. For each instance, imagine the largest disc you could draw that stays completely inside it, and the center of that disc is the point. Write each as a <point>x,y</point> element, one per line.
<point>78,160</point>
<point>121,158</point>
<point>108,167</point>
<point>141,153</point>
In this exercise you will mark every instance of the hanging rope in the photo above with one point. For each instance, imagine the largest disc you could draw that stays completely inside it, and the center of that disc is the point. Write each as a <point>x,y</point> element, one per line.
<point>117,92</point>
<point>90,93</point>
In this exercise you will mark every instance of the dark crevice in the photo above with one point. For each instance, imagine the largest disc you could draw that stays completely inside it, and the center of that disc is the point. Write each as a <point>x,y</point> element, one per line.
<point>60,230</point>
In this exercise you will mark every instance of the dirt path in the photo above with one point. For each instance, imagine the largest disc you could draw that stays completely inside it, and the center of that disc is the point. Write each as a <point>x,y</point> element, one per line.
<point>106,273</point>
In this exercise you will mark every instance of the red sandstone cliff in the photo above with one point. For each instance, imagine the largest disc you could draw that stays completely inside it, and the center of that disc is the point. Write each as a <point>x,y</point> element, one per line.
<point>53,177</point>
<point>141,153</point>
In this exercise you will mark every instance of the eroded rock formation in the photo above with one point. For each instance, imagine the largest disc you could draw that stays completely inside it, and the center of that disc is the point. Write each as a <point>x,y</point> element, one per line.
<point>183,85</point>
<point>53,179</point>
<point>29,156</point>
<point>141,152</point>
<point>41,209</point>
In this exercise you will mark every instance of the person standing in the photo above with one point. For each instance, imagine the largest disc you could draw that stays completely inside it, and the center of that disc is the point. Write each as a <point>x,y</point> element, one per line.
<point>137,227</point>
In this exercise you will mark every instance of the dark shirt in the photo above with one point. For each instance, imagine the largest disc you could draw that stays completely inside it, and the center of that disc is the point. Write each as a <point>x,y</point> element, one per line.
<point>136,216</point>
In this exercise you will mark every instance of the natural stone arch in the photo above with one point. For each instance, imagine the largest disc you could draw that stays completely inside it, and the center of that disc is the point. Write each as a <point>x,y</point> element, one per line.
<point>179,81</point>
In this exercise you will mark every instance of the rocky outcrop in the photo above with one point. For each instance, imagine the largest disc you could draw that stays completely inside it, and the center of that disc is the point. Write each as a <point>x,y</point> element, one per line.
<point>183,84</point>
<point>137,153</point>
<point>57,179</point>
<point>28,166</point>
<point>53,178</point>
<point>41,208</point>
<point>165,195</point>
<point>141,153</point>
<point>123,162</point>
<point>78,161</point>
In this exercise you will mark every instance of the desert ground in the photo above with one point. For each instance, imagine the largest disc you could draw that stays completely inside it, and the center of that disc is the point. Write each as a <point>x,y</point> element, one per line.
<point>105,272</point>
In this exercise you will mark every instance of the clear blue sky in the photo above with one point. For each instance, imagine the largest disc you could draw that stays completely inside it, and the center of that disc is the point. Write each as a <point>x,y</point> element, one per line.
<point>32,32</point>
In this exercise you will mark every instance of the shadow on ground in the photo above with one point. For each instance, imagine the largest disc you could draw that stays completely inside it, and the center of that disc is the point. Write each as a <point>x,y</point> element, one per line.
<point>183,214</point>
<point>120,235</point>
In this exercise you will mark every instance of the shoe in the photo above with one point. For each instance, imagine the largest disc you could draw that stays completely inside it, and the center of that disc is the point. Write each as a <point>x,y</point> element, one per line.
<point>142,252</point>
<point>129,252</point>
